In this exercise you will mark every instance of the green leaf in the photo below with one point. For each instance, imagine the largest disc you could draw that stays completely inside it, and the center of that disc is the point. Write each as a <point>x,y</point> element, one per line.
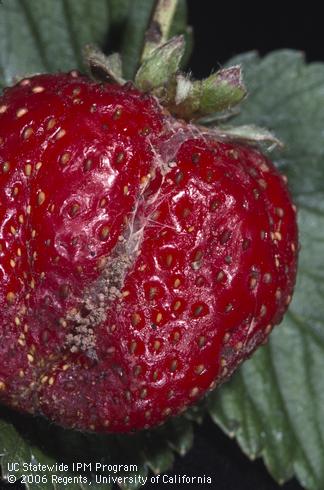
<point>48,35</point>
<point>25,439</point>
<point>118,12</point>
<point>137,23</point>
<point>20,450</point>
<point>274,406</point>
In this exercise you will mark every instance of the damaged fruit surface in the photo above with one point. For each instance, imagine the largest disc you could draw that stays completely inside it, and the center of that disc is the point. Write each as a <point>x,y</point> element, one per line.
<point>142,259</point>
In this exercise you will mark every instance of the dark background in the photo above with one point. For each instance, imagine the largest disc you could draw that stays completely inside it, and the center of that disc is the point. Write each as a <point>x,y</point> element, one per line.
<point>221,30</point>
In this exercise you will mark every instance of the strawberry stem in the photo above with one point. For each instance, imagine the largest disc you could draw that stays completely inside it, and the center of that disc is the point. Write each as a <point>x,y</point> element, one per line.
<point>159,28</point>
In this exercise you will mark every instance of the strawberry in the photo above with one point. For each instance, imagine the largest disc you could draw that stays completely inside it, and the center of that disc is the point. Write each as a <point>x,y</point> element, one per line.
<point>143,258</point>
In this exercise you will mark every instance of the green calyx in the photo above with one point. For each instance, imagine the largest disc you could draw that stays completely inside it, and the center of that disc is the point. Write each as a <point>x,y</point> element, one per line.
<point>159,74</point>
<point>219,92</point>
<point>159,71</point>
<point>106,68</point>
<point>208,101</point>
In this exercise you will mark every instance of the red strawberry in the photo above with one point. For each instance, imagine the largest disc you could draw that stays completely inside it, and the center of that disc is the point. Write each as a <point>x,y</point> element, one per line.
<point>142,259</point>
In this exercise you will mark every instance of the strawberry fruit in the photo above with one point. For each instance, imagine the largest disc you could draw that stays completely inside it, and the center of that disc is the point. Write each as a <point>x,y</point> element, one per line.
<point>143,258</point>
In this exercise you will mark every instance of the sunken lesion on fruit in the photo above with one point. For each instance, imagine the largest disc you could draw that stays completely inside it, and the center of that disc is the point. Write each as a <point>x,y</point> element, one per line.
<point>98,298</point>
<point>82,337</point>
<point>105,291</point>
<point>82,321</point>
